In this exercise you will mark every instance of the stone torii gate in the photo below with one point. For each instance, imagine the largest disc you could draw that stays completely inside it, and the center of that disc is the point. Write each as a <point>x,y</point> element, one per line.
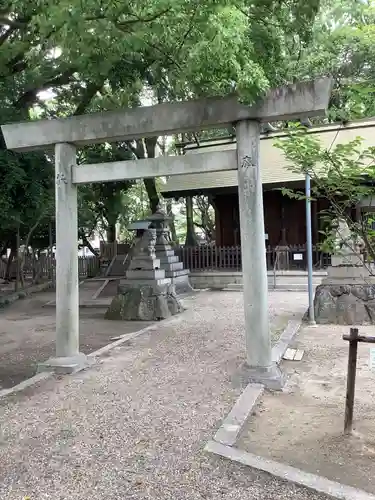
<point>65,135</point>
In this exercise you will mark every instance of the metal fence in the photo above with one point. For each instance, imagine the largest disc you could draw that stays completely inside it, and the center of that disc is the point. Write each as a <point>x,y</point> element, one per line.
<point>206,258</point>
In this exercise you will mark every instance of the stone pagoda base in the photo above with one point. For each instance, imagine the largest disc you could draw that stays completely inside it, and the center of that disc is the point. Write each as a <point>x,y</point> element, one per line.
<point>181,281</point>
<point>144,303</point>
<point>346,297</point>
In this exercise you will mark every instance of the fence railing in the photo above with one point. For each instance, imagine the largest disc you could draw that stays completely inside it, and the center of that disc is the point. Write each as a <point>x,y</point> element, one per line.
<point>45,267</point>
<point>110,250</point>
<point>199,258</point>
<point>205,258</point>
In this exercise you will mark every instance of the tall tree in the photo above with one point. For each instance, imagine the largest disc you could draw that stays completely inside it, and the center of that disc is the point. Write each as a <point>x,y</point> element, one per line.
<point>101,54</point>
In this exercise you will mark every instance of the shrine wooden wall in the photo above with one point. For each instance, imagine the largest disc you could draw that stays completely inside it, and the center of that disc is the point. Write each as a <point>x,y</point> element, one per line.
<point>283,216</point>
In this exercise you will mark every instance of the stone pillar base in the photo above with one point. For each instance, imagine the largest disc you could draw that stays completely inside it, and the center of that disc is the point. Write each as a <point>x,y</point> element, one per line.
<point>271,377</point>
<point>144,303</point>
<point>348,302</point>
<point>64,365</point>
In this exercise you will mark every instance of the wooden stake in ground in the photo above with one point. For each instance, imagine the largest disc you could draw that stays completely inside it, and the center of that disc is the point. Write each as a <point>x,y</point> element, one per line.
<point>350,386</point>
<point>353,339</point>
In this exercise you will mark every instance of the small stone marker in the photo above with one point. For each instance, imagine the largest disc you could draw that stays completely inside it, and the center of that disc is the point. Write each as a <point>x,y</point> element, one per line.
<point>289,354</point>
<point>293,354</point>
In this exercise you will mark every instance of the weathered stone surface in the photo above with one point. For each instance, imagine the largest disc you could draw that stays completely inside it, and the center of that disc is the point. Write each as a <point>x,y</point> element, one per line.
<point>182,284</point>
<point>345,304</point>
<point>144,304</point>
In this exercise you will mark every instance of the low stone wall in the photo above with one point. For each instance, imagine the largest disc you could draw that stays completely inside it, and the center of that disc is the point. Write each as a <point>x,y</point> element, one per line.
<point>12,297</point>
<point>221,279</point>
<point>214,279</point>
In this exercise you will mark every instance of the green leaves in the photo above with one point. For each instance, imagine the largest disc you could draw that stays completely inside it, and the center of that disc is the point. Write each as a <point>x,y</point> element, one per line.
<point>343,174</point>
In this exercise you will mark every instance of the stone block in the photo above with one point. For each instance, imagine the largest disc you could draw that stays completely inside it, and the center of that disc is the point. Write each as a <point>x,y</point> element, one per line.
<point>147,263</point>
<point>175,274</point>
<point>173,267</point>
<point>347,272</point>
<point>168,259</point>
<point>347,260</point>
<point>350,310</point>
<point>159,286</point>
<point>142,304</point>
<point>345,304</point>
<point>163,248</point>
<point>162,252</point>
<point>145,274</point>
<point>182,284</point>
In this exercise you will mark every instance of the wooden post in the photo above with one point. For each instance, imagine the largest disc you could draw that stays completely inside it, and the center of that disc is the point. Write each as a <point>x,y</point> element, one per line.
<point>350,387</point>
<point>353,339</point>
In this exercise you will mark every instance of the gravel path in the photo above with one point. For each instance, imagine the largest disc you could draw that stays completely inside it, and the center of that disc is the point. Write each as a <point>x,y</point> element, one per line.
<point>134,426</point>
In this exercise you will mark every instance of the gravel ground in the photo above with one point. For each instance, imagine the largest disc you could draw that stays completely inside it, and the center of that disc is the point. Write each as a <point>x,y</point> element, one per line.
<point>134,425</point>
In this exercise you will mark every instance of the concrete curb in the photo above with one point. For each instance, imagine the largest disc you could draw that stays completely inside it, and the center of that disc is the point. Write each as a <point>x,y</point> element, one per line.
<point>232,424</point>
<point>287,473</point>
<point>29,382</point>
<point>125,338</point>
<point>228,432</point>
<point>285,339</point>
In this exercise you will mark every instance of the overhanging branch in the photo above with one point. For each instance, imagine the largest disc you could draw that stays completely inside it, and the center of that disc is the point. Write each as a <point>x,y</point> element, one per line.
<point>29,96</point>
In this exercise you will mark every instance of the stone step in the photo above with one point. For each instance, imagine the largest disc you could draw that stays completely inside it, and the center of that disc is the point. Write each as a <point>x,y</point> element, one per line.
<point>289,280</point>
<point>291,287</point>
<point>119,266</point>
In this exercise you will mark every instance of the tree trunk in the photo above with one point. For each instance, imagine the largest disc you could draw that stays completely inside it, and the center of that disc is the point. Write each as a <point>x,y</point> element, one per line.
<point>152,194</point>
<point>4,249</point>
<point>22,260</point>
<point>150,184</point>
<point>171,223</point>
<point>13,251</point>
<point>90,247</point>
<point>191,237</point>
<point>111,232</point>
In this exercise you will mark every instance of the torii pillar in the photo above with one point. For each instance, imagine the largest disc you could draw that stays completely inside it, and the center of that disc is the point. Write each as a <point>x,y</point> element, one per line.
<point>254,267</point>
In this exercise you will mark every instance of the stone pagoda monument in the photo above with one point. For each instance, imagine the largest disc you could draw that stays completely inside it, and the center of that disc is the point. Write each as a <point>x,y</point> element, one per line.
<point>169,262</point>
<point>146,294</point>
<point>347,295</point>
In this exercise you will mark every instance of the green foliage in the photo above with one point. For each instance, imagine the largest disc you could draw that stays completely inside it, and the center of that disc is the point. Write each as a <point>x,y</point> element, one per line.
<point>341,43</point>
<point>98,55</point>
<point>102,203</point>
<point>26,193</point>
<point>136,208</point>
<point>343,174</point>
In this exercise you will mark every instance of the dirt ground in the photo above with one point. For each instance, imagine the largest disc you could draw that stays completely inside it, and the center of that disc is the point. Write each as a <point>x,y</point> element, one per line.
<point>303,425</point>
<point>7,288</point>
<point>27,335</point>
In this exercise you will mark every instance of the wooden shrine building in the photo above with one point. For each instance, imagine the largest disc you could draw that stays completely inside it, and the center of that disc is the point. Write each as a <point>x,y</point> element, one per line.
<point>284,218</point>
